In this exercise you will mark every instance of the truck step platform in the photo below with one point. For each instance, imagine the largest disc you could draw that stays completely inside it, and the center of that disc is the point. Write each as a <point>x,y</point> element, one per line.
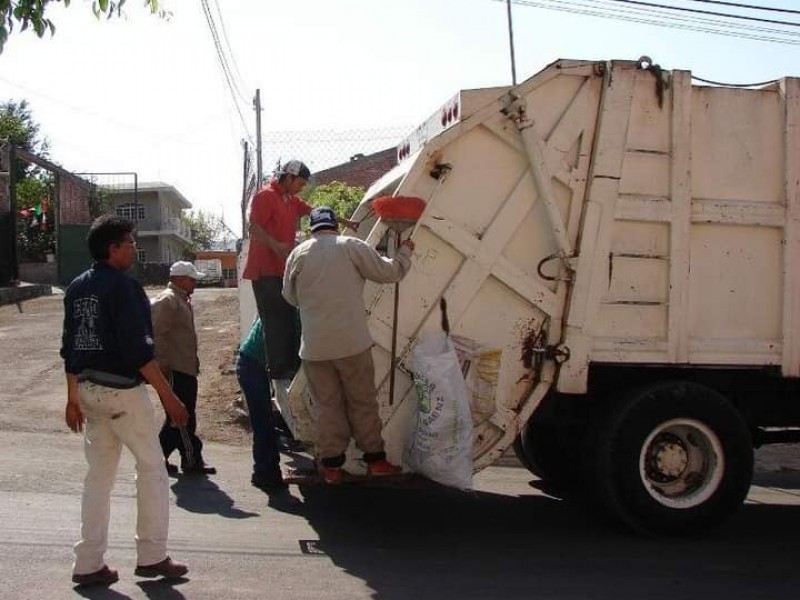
<point>312,477</point>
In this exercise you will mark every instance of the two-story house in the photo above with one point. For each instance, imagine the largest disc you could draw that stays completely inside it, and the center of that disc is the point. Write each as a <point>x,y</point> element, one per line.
<point>156,209</point>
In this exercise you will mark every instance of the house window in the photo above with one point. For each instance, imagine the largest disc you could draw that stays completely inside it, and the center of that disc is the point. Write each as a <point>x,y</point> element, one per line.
<point>141,256</point>
<point>131,211</point>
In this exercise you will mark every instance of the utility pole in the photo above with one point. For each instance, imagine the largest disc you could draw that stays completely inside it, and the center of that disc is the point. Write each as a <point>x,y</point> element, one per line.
<point>246,163</point>
<point>511,45</point>
<point>259,170</point>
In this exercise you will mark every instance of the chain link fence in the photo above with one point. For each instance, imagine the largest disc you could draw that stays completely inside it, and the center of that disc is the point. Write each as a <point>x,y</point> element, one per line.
<point>319,149</point>
<point>322,149</point>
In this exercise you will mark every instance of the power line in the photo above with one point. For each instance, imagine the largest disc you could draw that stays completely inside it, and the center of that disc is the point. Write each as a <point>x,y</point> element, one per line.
<point>227,41</point>
<point>231,84</point>
<point>708,12</point>
<point>749,6</point>
<point>673,19</point>
<point>221,56</point>
<point>640,15</point>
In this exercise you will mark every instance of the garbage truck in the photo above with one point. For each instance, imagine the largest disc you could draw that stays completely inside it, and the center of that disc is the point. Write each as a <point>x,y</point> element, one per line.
<point>619,251</point>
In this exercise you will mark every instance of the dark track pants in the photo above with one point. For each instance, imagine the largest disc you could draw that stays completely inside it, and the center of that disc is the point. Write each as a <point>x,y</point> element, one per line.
<point>184,439</point>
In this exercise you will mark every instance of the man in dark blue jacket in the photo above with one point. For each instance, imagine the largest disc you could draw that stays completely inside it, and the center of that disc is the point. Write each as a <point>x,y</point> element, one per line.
<point>107,347</point>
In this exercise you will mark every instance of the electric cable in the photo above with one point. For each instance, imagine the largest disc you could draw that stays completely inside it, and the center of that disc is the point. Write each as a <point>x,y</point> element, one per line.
<point>741,31</point>
<point>231,55</point>
<point>705,21</point>
<point>708,12</point>
<point>749,6</point>
<point>231,85</point>
<point>736,85</point>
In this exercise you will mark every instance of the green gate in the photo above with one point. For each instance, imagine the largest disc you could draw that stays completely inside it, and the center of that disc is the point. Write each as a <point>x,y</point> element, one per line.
<point>73,253</point>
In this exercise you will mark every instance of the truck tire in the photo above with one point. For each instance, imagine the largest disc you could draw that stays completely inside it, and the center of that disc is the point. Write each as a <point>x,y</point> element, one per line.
<point>545,454</point>
<point>674,458</point>
<point>519,451</point>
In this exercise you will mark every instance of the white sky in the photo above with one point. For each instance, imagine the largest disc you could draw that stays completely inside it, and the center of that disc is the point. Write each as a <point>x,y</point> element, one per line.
<point>146,95</point>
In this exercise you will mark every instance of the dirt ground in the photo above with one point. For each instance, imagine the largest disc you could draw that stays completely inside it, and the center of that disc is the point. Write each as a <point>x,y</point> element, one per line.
<point>32,384</point>
<point>217,324</point>
<point>32,387</point>
<point>219,410</point>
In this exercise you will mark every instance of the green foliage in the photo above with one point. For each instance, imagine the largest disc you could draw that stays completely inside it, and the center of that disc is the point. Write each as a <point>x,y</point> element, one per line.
<point>34,239</point>
<point>32,190</point>
<point>206,228</point>
<point>32,13</point>
<point>18,127</point>
<point>99,201</point>
<point>342,198</point>
<point>33,187</point>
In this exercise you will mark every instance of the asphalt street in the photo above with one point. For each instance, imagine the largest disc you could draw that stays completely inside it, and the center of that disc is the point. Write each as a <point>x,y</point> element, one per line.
<point>506,540</point>
<point>411,541</point>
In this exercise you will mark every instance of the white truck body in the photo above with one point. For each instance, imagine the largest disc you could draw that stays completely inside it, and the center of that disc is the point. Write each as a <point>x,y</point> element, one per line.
<point>597,214</point>
<point>212,267</point>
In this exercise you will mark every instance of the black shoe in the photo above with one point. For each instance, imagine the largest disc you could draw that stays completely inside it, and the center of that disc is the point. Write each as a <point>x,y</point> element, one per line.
<point>172,470</point>
<point>269,484</point>
<point>200,469</point>
<point>287,444</point>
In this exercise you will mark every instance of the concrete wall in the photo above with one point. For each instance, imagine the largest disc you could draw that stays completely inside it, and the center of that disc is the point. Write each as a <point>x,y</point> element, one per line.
<point>37,272</point>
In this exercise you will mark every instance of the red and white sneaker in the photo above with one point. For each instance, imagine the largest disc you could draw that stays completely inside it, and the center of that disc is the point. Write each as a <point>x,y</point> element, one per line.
<point>382,468</point>
<point>332,475</point>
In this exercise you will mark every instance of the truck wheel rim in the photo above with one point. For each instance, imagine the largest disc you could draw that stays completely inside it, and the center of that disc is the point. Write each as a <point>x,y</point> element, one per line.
<point>681,463</point>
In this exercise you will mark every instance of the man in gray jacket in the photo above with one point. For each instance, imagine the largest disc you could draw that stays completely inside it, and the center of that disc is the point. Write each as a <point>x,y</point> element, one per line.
<point>325,278</point>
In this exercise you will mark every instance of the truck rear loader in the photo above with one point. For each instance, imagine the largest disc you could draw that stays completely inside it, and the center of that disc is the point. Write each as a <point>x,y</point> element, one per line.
<point>619,251</point>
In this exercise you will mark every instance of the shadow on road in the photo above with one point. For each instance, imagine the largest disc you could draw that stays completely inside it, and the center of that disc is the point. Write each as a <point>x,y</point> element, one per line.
<point>99,593</point>
<point>201,495</point>
<point>426,543</point>
<point>785,480</point>
<point>162,589</point>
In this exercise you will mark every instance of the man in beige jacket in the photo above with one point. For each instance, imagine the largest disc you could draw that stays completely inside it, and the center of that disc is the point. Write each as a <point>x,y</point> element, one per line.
<point>325,278</point>
<point>176,354</point>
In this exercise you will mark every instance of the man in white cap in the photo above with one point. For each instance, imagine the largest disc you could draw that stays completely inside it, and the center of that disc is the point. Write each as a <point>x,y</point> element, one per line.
<point>176,355</point>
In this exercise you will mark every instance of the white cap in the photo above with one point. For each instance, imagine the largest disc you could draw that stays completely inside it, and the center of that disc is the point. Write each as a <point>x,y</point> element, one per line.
<point>297,168</point>
<point>184,268</point>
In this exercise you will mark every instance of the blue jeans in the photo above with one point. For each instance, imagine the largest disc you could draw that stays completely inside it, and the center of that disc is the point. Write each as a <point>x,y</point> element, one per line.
<point>254,382</point>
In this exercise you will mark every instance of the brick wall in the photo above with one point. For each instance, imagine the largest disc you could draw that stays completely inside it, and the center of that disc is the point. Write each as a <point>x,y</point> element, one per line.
<point>359,171</point>
<point>73,201</point>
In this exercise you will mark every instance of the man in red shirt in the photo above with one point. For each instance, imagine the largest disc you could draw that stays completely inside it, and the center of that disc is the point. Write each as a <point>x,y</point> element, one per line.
<point>275,212</point>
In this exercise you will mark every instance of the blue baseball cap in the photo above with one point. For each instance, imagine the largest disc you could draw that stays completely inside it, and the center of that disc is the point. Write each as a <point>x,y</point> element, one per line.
<point>323,216</point>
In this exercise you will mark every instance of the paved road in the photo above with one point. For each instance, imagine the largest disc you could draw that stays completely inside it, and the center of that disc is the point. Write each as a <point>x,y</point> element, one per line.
<point>505,541</point>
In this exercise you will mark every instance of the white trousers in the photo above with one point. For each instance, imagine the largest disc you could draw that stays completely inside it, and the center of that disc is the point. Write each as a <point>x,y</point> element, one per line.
<point>115,418</point>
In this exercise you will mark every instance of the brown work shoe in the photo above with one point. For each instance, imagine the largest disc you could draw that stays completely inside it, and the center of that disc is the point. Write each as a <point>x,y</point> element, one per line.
<point>167,568</point>
<point>104,576</point>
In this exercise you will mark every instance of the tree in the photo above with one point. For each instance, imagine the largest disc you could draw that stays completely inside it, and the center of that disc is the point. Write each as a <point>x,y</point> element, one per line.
<point>34,188</point>
<point>206,228</point>
<point>342,198</point>
<point>18,127</point>
<point>32,13</point>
